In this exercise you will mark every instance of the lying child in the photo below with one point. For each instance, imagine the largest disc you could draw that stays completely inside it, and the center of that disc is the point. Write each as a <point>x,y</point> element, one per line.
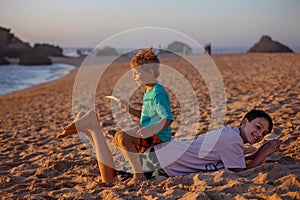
<point>224,148</point>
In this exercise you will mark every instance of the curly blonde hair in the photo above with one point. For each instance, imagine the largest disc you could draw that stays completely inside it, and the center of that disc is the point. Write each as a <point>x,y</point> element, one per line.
<point>146,59</point>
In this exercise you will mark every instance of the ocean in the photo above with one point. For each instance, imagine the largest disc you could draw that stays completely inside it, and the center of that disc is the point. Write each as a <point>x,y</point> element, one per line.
<point>17,77</point>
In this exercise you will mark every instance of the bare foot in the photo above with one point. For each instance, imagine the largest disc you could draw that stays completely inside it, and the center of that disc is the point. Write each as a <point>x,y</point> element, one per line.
<point>80,123</point>
<point>135,181</point>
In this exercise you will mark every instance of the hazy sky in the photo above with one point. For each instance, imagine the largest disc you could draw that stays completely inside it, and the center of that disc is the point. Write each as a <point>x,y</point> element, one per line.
<point>85,23</point>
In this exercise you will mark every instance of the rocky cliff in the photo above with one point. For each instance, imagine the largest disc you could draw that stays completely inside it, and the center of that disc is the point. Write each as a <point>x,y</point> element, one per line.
<point>12,47</point>
<point>266,44</point>
<point>48,50</point>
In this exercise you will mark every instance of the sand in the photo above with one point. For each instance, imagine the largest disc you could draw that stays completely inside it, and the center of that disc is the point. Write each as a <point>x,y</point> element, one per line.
<point>36,165</point>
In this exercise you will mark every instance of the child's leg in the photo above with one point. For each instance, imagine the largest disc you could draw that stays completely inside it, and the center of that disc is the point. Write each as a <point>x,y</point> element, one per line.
<point>71,128</point>
<point>127,143</point>
<point>105,160</point>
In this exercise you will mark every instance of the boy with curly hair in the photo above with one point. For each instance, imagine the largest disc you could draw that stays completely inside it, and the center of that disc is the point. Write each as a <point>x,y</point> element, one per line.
<point>155,116</point>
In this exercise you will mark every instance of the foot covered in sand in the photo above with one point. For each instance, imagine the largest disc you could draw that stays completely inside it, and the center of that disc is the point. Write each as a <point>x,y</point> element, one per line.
<point>135,180</point>
<point>81,123</point>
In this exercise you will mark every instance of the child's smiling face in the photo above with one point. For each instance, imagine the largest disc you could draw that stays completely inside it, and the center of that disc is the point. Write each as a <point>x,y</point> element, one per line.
<point>254,131</point>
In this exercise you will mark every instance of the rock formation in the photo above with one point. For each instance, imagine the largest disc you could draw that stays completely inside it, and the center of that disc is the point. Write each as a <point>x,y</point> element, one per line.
<point>48,50</point>
<point>5,38</point>
<point>267,45</point>
<point>179,47</point>
<point>34,59</point>
<point>3,61</point>
<point>13,47</point>
<point>106,51</point>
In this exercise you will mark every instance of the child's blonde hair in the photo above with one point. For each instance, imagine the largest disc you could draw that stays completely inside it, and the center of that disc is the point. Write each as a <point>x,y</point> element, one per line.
<point>146,59</point>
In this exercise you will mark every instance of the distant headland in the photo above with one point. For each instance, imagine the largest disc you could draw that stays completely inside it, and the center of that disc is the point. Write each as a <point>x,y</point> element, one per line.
<point>13,47</point>
<point>267,45</point>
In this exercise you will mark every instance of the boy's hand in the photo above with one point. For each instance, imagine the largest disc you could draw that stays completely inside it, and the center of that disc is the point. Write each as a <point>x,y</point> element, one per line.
<point>145,132</point>
<point>271,147</point>
<point>123,105</point>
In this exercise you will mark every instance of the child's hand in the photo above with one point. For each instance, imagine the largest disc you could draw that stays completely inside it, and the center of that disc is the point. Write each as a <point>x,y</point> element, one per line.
<point>123,105</point>
<point>271,147</point>
<point>145,132</point>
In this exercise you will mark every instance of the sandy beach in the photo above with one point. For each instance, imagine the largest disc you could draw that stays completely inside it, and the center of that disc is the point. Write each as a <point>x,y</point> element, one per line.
<point>37,165</point>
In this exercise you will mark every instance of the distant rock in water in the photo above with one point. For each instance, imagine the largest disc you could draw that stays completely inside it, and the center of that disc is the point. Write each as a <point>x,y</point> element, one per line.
<point>3,61</point>
<point>266,44</point>
<point>179,47</point>
<point>48,50</point>
<point>106,51</point>
<point>34,59</point>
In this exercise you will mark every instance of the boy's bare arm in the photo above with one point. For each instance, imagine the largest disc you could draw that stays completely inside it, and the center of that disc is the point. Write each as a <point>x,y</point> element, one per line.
<point>135,112</point>
<point>126,108</point>
<point>265,150</point>
<point>149,131</point>
<point>253,155</point>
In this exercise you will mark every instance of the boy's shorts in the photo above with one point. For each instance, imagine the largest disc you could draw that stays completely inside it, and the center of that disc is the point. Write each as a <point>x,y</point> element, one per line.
<point>150,164</point>
<point>146,143</point>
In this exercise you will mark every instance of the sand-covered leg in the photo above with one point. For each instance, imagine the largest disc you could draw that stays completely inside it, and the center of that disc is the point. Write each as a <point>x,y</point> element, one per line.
<point>126,141</point>
<point>102,151</point>
<point>89,135</point>
<point>89,124</point>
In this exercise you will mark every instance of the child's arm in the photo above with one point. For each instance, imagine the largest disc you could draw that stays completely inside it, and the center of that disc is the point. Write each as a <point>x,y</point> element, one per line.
<point>135,112</point>
<point>149,131</point>
<point>260,155</point>
<point>126,108</point>
<point>253,155</point>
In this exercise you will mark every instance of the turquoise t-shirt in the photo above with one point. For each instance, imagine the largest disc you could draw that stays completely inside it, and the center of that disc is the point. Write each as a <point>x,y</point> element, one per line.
<point>156,106</point>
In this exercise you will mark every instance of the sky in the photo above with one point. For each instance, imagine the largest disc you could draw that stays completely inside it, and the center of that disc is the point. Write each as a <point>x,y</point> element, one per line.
<point>86,23</point>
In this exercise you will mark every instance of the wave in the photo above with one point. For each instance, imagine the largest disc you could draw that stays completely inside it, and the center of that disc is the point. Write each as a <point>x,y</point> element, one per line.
<point>18,77</point>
